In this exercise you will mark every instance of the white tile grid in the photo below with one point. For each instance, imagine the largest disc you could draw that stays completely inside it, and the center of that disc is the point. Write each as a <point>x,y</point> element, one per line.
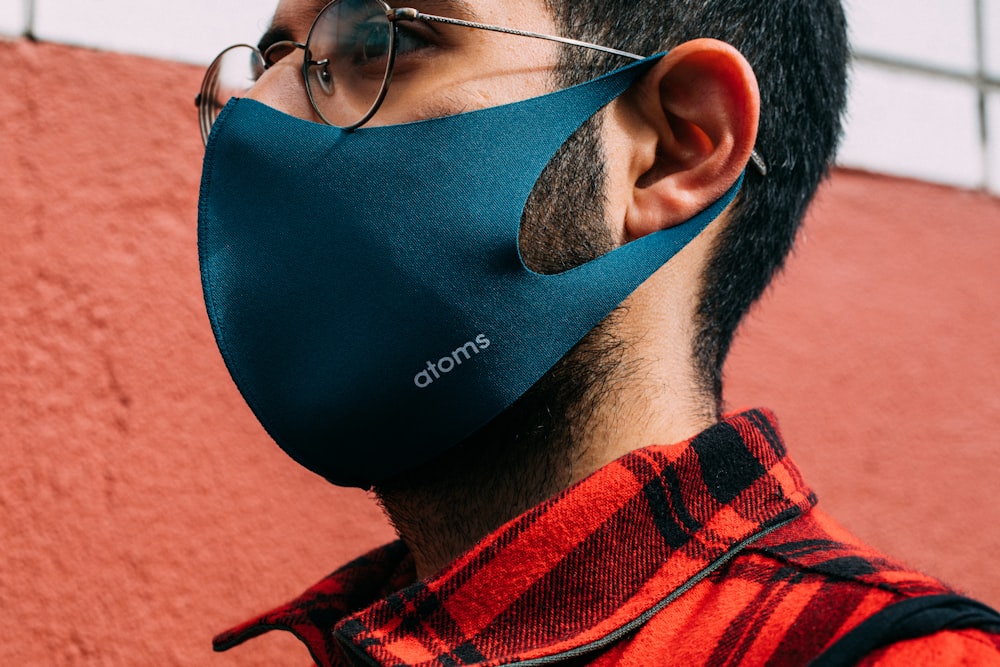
<point>993,151</point>
<point>914,125</point>
<point>935,32</point>
<point>939,33</point>
<point>991,34</point>
<point>13,18</point>
<point>902,123</point>
<point>187,30</point>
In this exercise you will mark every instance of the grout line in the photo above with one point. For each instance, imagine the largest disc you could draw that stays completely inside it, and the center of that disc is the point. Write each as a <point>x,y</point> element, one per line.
<point>984,130</point>
<point>980,79</point>
<point>29,19</point>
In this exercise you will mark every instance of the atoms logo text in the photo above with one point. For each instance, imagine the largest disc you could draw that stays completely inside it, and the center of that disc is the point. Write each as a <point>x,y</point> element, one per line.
<point>444,365</point>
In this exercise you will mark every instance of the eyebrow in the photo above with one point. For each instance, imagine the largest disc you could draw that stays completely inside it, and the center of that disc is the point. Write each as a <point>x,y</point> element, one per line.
<point>281,30</point>
<point>276,33</point>
<point>458,9</point>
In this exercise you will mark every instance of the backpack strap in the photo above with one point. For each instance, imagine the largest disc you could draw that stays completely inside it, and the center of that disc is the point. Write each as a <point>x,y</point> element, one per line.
<point>909,619</point>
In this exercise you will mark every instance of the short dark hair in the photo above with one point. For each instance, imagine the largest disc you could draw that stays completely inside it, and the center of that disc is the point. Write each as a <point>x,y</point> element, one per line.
<point>799,51</point>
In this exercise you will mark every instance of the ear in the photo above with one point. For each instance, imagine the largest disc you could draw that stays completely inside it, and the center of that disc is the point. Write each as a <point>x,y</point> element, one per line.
<point>689,126</point>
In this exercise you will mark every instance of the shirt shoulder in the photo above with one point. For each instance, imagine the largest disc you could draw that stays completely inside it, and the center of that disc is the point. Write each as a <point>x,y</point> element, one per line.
<point>815,545</point>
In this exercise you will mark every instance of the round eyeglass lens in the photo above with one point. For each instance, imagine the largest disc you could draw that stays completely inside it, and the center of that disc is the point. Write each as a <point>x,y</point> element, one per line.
<point>349,56</point>
<point>231,74</point>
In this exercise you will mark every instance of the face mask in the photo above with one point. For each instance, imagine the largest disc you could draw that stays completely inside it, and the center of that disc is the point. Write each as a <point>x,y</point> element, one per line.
<point>366,288</point>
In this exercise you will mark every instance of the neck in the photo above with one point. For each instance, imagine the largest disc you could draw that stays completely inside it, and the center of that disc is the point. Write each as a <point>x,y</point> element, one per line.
<point>587,411</point>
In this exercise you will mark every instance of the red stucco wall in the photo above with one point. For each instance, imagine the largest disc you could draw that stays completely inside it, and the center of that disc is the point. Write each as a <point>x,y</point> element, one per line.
<point>142,509</point>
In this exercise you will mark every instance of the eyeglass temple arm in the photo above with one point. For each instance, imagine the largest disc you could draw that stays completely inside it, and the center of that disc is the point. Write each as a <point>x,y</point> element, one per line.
<point>410,14</point>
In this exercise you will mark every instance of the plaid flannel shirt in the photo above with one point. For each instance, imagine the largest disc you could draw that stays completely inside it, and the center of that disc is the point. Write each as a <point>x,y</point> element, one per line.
<point>708,552</point>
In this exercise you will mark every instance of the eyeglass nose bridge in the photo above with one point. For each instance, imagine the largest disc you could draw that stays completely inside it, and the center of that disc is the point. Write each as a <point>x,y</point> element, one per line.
<point>280,50</point>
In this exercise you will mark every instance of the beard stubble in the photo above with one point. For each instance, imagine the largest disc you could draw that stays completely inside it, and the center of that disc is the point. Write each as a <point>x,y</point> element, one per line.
<point>529,452</point>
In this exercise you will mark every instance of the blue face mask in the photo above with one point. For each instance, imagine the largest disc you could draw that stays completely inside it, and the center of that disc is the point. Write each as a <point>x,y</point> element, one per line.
<point>366,288</point>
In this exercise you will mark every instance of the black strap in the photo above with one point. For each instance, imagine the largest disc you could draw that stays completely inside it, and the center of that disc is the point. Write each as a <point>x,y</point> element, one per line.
<point>909,619</point>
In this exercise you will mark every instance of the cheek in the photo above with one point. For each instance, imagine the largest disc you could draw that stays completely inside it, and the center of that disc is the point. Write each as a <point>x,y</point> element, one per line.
<point>491,72</point>
<point>516,68</point>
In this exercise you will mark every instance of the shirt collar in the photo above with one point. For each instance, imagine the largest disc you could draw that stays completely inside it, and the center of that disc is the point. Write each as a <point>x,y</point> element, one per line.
<point>570,575</point>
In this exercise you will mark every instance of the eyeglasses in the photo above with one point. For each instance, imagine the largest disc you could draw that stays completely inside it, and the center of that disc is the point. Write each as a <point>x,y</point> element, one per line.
<point>350,53</point>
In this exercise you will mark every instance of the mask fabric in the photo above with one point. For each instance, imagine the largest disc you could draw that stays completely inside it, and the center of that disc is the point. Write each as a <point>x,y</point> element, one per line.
<point>366,289</point>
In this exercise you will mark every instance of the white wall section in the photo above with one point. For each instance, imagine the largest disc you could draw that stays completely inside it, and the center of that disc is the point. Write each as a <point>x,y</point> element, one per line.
<point>924,96</point>
<point>13,17</point>
<point>186,30</point>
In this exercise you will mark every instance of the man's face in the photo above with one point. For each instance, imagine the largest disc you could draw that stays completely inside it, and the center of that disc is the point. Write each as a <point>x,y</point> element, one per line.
<point>449,70</point>
<point>440,69</point>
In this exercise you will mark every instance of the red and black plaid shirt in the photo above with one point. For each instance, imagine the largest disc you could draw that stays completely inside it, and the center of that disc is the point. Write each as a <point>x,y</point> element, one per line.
<point>709,552</point>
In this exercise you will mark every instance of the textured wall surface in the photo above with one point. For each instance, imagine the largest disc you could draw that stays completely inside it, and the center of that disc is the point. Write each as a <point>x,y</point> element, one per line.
<point>879,348</point>
<point>142,509</point>
<point>145,510</point>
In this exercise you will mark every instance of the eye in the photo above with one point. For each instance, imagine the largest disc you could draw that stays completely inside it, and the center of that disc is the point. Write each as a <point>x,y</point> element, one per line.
<point>324,78</point>
<point>409,40</point>
<point>370,41</point>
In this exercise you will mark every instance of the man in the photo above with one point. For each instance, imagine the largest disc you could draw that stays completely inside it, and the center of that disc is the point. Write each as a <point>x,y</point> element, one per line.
<point>437,270</point>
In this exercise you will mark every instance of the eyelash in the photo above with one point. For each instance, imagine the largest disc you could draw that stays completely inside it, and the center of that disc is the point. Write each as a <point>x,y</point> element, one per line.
<point>405,32</point>
<point>408,40</point>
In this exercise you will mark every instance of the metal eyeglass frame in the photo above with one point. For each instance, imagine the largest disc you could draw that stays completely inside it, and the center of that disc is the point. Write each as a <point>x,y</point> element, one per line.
<point>394,15</point>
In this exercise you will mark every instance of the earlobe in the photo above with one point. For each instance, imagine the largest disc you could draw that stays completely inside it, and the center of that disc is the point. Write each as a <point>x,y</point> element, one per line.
<point>693,121</point>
